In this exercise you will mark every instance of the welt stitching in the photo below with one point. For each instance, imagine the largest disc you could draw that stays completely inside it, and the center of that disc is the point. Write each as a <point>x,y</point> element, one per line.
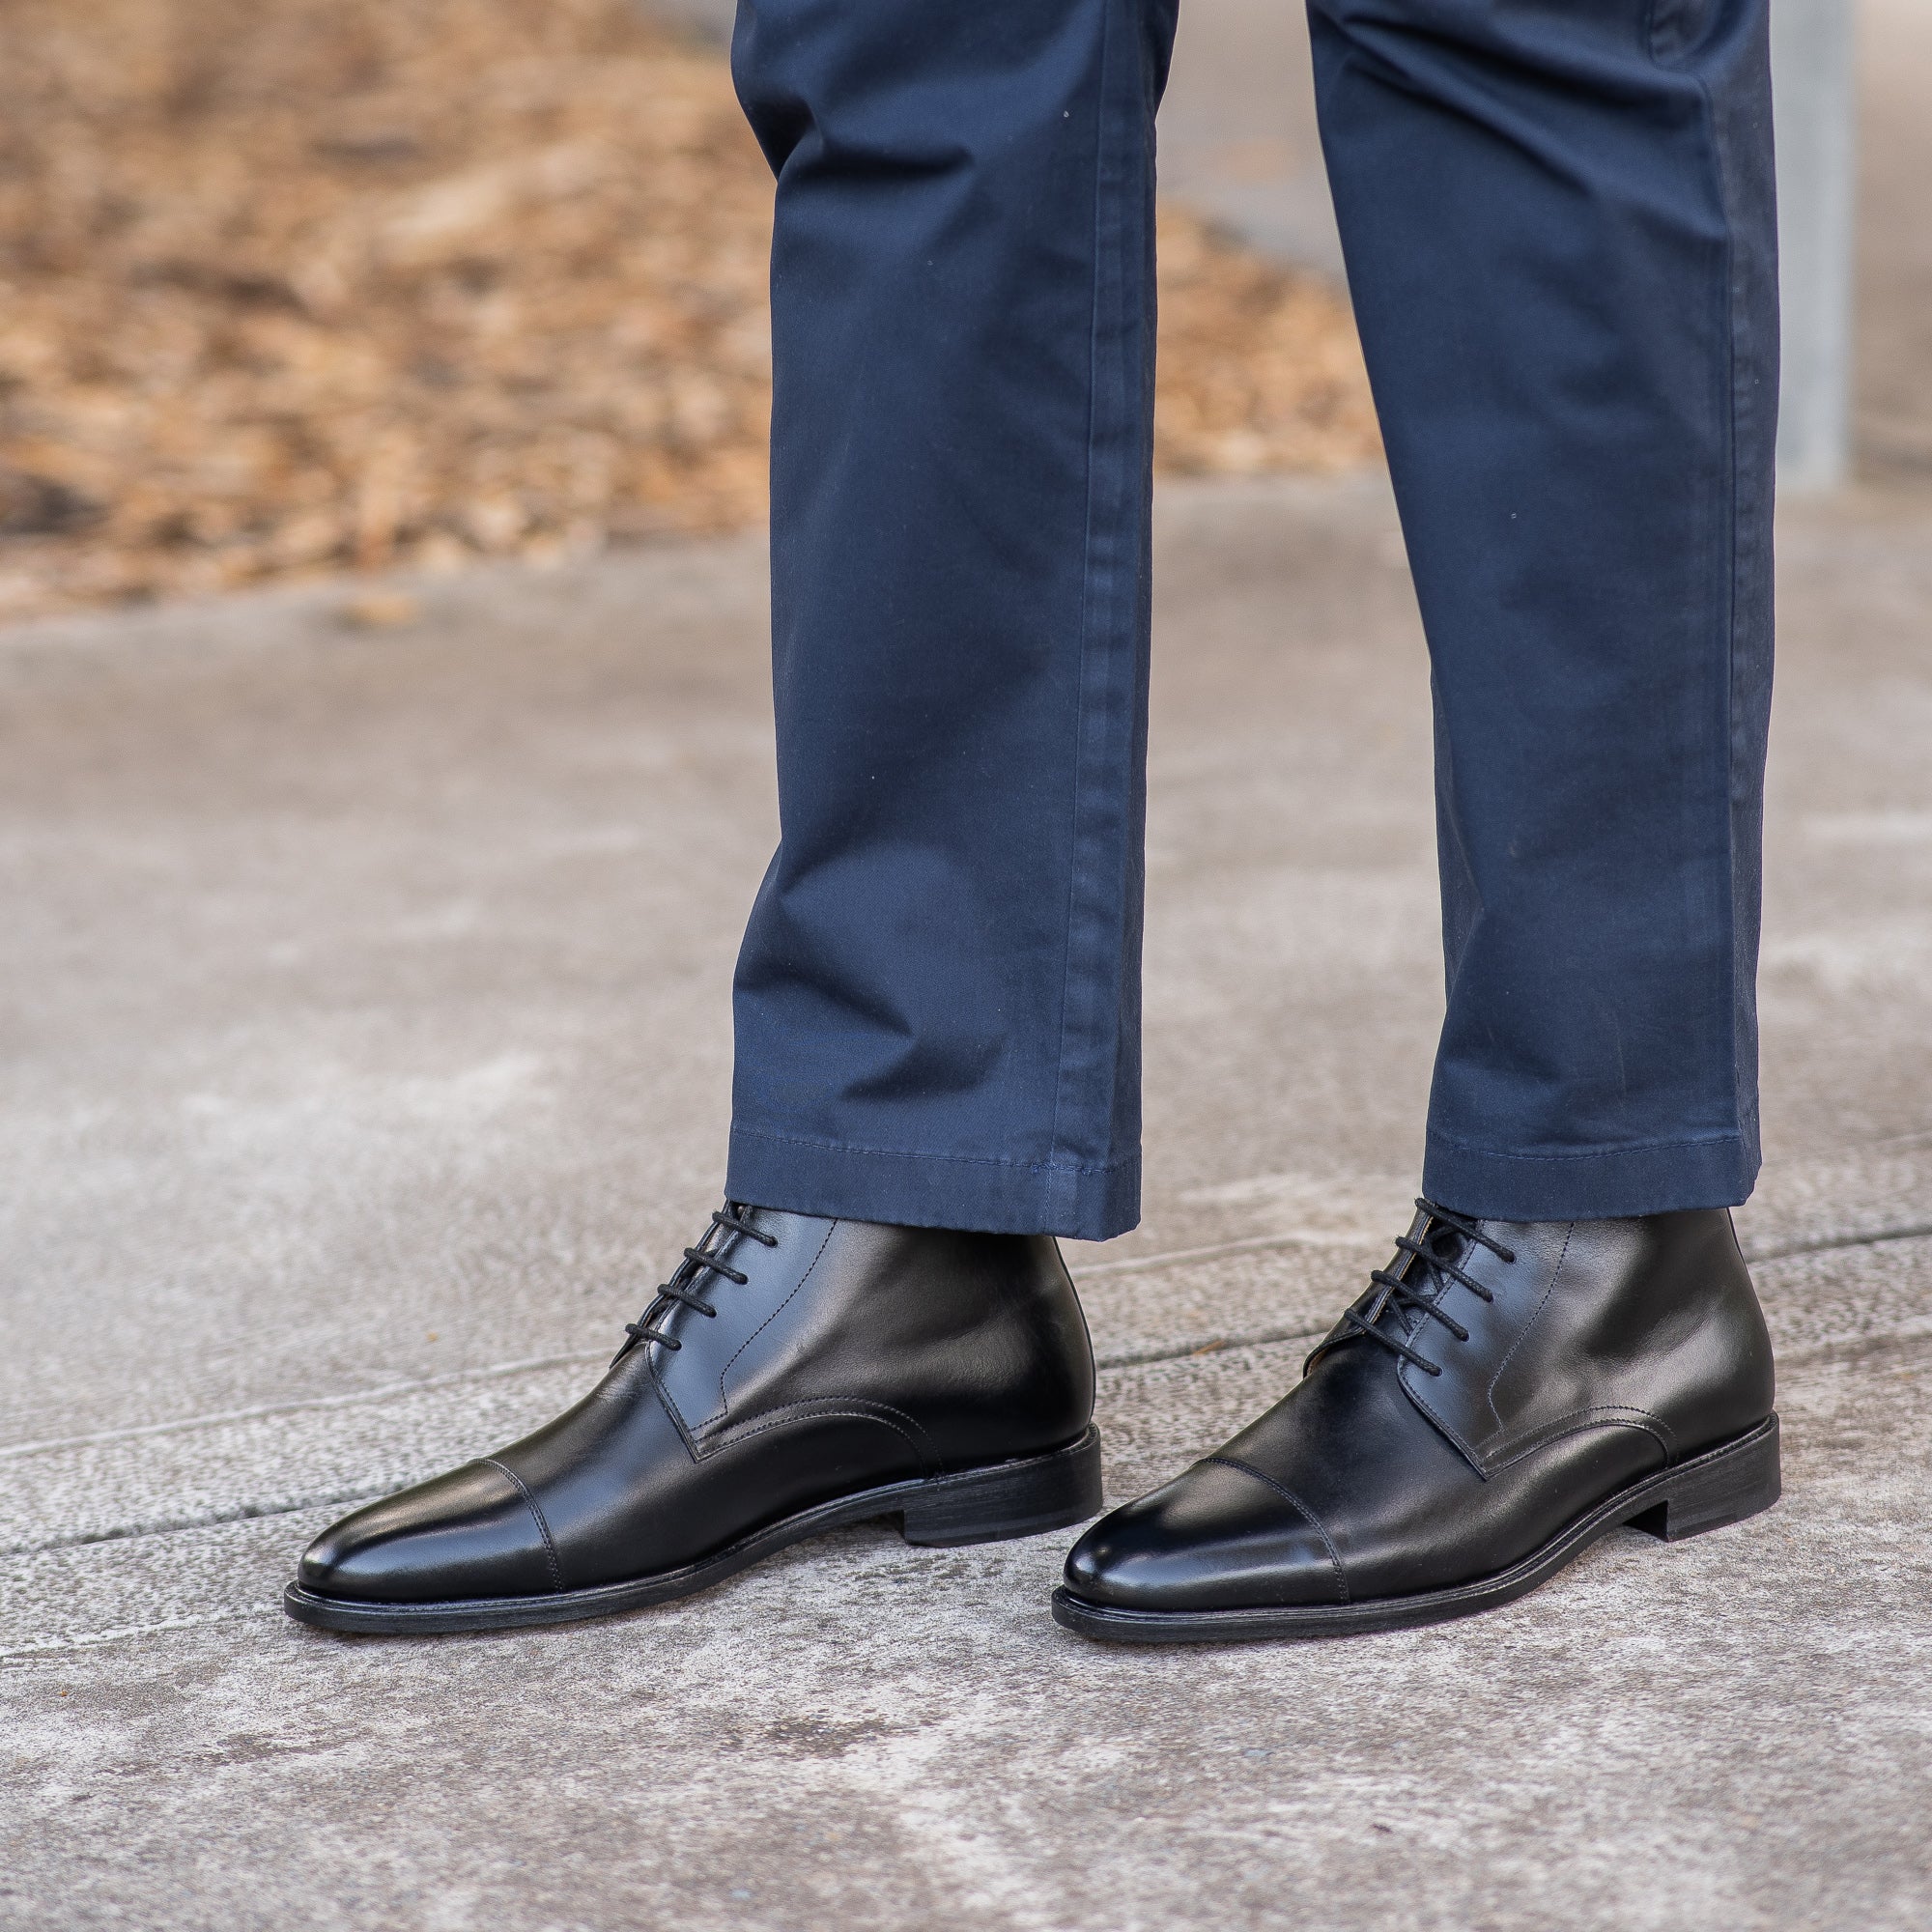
<point>723,1405</point>
<point>522,1490</point>
<point>1302,1509</point>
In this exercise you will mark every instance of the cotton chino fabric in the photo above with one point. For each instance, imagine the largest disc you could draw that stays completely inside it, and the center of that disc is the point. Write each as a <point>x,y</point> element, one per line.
<point>1558,224</point>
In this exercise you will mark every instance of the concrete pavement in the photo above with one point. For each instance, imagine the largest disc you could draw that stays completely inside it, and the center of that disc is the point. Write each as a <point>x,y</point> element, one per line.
<point>365,1037</point>
<point>367,1042</point>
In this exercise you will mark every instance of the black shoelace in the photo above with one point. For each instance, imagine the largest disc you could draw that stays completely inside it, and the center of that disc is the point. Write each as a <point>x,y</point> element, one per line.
<point>1430,1269</point>
<point>685,1281</point>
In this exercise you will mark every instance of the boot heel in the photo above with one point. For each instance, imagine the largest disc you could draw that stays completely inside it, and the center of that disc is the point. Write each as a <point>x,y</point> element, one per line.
<point>1722,1486</point>
<point>1009,1499</point>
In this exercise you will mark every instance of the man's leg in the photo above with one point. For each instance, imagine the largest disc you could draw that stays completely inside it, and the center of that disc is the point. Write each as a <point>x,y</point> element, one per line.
<point>1557,217</point>
<point>1558,224</point>
<point>938,999</point>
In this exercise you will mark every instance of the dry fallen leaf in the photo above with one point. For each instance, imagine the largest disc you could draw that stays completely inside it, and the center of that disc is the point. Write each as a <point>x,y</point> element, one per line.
<point>301,286</point>
<point>380,610</point>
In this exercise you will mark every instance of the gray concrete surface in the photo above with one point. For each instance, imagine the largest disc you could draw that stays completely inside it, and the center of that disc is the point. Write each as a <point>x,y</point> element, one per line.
<point>366,1041</point>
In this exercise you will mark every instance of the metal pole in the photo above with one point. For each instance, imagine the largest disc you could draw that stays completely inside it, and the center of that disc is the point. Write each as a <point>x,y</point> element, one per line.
<point>1815,118</point>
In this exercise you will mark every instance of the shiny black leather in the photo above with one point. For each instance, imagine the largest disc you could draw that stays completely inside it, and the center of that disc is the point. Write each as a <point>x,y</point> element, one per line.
<point>851,1357</point>
<point>1610,1349</point>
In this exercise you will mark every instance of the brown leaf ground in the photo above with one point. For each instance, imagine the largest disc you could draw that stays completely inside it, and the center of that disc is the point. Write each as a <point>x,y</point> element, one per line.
<point>292,286</point>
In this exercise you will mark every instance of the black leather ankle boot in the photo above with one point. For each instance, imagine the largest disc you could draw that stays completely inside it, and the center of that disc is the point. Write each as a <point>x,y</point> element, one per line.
<point>1502,1394</point>
<point>792,1376</point>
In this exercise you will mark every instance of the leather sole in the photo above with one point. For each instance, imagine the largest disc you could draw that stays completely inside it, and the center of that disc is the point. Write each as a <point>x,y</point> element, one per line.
<point>1721,1485</point>
<point>1024,1497</point>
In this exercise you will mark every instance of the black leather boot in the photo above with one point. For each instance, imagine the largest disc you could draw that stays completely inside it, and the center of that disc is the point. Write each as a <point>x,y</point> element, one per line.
<point>792,1376</point>
<point>1502,1394</point>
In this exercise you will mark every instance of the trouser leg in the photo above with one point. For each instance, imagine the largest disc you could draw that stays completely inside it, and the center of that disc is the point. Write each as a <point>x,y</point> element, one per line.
<point>937,1002</point>
<point>1558,217</point>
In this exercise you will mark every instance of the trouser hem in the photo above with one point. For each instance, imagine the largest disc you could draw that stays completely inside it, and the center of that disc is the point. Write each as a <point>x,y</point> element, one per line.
<point>1656,1177</point>
<point>982,1193</point>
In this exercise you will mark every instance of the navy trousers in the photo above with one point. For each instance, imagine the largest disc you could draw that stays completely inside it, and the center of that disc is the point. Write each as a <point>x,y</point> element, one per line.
<point>1557,218</point>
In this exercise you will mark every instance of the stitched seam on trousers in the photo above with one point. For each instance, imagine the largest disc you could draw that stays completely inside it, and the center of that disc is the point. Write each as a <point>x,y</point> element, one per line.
<point>522,1490</point>
<point>1729,328</point>
<point>1734,1004</point>
<point>1302,1509</point>
<point>1728,1135</point>
<point>915,1153</point>
<point>1082,708</point>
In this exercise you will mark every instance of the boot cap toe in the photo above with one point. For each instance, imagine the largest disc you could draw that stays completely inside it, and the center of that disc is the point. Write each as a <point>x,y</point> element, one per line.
<point>467,1535</point>
<point>1217,1537</point>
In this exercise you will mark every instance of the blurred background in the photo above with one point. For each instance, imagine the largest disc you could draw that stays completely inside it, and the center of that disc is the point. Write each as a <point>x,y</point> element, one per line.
<point>301,286</point>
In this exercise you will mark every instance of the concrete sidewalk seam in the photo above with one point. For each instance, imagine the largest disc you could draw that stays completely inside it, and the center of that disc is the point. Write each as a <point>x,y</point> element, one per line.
<point>210,1519</point>
<point>121,1633</point>
<point>1832,1347</point>
<point>1102,1270</point>
<point>352,1397</point>
<point>1916,1230</point>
